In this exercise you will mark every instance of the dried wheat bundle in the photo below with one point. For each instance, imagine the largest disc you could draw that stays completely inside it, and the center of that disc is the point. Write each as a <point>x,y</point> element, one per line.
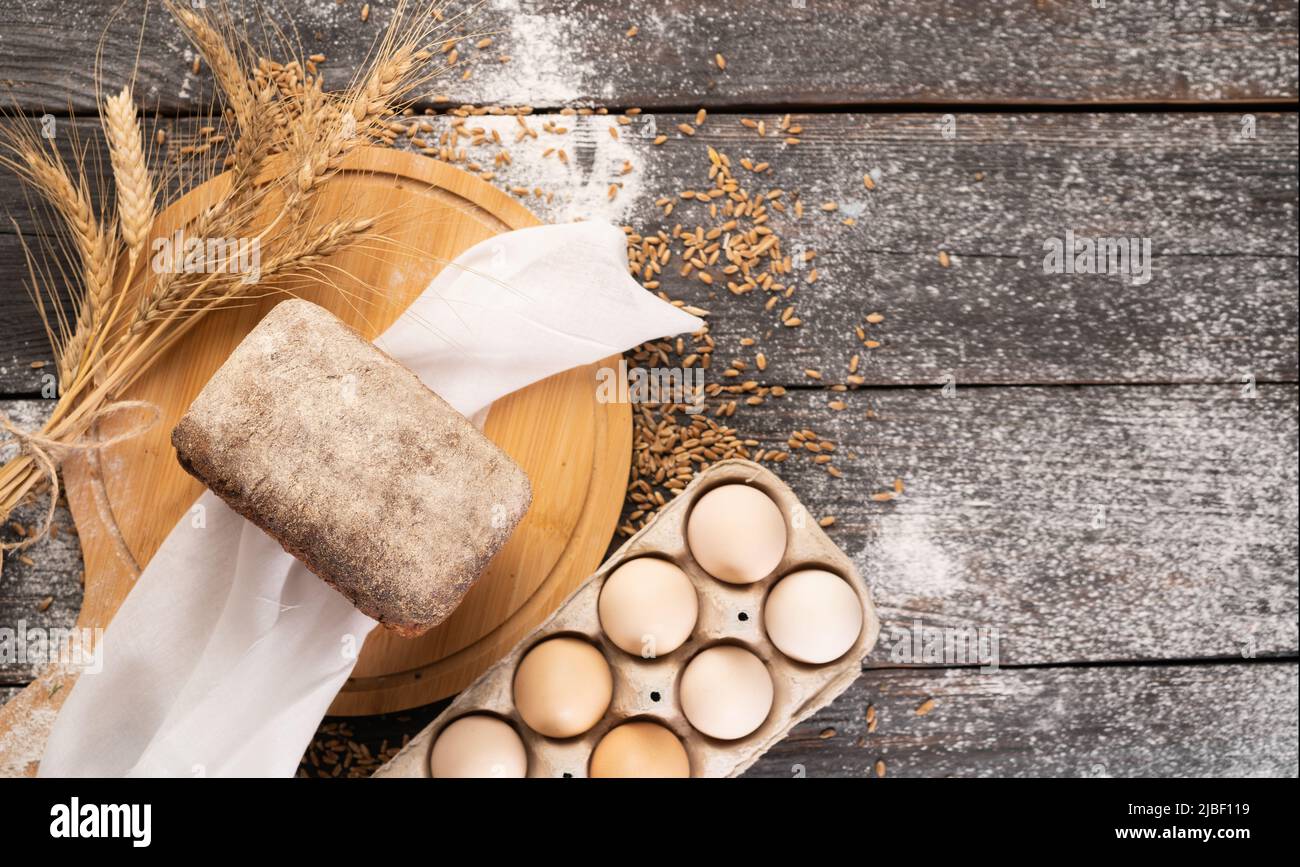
<point>286,143</point>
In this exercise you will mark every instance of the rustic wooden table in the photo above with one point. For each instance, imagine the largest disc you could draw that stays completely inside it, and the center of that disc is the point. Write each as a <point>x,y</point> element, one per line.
<point>1101,469</point>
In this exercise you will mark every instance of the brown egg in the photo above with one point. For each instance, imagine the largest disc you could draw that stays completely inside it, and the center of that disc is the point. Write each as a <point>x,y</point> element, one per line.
<point>726,692</point>
<point>813,616</point>
<point>736,534</point>
<point>478,745</point>
<point>562,687</point>
<point>639,749</point>
<point>648,607</point>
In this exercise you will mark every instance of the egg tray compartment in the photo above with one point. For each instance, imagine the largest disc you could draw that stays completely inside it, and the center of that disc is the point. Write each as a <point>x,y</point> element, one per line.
<point>646,689</point>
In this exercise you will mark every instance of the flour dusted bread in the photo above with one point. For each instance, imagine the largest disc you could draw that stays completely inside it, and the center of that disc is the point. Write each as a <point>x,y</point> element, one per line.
<point>353,465</point>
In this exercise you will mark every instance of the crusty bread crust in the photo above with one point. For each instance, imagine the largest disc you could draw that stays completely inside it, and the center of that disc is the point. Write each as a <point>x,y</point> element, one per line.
<point>356,468</point>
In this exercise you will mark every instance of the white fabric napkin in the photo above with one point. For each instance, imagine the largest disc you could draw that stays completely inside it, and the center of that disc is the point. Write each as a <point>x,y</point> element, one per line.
<point>227,652</point>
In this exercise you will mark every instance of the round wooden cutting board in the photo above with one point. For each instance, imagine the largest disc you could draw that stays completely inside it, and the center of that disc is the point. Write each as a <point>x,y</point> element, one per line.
<point>575,450</point>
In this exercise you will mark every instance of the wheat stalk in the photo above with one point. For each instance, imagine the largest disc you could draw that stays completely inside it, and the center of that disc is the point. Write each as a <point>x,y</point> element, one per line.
<point>329,240</point>
<point>313,132</point>
<point>387,80</point>
<point>93,241</point>
<point>131,178</point>
<point>221,58</point>
<point>46,173</point>
<point>326,132</point>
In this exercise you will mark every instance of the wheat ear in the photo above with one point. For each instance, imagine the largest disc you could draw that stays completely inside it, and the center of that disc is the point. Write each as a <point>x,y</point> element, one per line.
<point>135,192</point>
<point>95,245</point>
<point>225,64</point>
<point>327,241</point>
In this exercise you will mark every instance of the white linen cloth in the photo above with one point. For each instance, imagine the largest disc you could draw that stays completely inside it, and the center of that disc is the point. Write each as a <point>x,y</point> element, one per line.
<point>227,652</point>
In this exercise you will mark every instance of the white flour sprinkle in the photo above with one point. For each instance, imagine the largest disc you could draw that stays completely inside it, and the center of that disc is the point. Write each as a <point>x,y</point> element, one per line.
<point>544,68</point>
<point>911,560</point>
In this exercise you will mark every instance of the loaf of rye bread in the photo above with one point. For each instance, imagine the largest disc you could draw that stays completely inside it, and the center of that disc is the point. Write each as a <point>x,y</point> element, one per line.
<point>360,471</point>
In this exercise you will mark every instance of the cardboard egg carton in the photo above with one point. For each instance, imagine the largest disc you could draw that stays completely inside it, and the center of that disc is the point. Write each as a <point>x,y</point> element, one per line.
<point>646,689</point>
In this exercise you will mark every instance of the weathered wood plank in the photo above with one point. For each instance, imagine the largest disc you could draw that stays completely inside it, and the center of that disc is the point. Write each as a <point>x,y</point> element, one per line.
<point>1123,721</point>
<point>1219,210</point>
<point>1085,524</point>
<point>1145,721</point>
<point>1219,213</point>
<point>45,593</point>
<point>1088,524</point>
<point>784,52</point>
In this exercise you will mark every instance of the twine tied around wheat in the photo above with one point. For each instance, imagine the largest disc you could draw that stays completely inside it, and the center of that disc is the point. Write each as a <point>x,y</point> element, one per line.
<point>48,453</point>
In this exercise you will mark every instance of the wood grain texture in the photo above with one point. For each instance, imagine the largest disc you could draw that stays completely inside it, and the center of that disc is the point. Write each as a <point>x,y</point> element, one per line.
<point>798,52</point>
<point>1220,212</point>
<point>1127,721</point>
<point>1215,720</point>
<point>1086,524</point>
<point>1196,556</point>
